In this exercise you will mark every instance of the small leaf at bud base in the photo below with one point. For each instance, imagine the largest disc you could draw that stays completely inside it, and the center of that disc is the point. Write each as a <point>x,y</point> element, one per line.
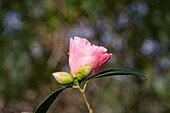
<point>83,72</point>
<point>63,77</point>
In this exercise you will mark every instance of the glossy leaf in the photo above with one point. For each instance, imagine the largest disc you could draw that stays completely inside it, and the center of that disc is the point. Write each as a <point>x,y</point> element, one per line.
<point>44,106</point>
<point>114,72</point>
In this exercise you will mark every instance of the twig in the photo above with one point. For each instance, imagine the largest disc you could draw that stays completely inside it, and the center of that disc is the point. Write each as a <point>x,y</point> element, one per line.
<point>85,98</point>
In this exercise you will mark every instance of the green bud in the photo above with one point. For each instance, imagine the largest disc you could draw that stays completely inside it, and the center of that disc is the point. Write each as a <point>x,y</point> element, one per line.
<point>83,72</point>
<point>63,77</point>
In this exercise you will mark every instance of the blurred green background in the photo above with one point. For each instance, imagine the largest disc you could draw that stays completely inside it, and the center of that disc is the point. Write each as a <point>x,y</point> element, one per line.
<point>34,41</point>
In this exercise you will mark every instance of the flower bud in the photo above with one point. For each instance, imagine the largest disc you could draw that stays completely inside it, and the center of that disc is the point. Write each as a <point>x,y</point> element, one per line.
<point>83,72</point>
<point>63,77</point>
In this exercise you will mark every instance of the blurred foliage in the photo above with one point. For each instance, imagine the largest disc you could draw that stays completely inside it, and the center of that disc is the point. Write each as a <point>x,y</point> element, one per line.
<point>34,38</point>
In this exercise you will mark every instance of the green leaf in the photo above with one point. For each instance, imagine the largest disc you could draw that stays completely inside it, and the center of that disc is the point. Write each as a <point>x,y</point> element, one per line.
<point>43,107</point>
<point>114,72</point>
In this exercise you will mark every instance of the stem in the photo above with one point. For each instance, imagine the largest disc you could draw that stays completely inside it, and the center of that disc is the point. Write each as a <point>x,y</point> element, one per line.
<point>85,98</point>
<point>85,85</point>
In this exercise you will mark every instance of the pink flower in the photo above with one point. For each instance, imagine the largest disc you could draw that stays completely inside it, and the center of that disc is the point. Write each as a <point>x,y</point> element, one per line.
<point>82,53</point>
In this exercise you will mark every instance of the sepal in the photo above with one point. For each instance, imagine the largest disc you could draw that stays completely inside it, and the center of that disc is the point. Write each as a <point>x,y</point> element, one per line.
<point>83,72</point>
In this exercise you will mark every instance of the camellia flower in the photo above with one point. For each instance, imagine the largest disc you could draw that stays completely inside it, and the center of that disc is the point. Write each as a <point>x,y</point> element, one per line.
<point>85,59</point>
